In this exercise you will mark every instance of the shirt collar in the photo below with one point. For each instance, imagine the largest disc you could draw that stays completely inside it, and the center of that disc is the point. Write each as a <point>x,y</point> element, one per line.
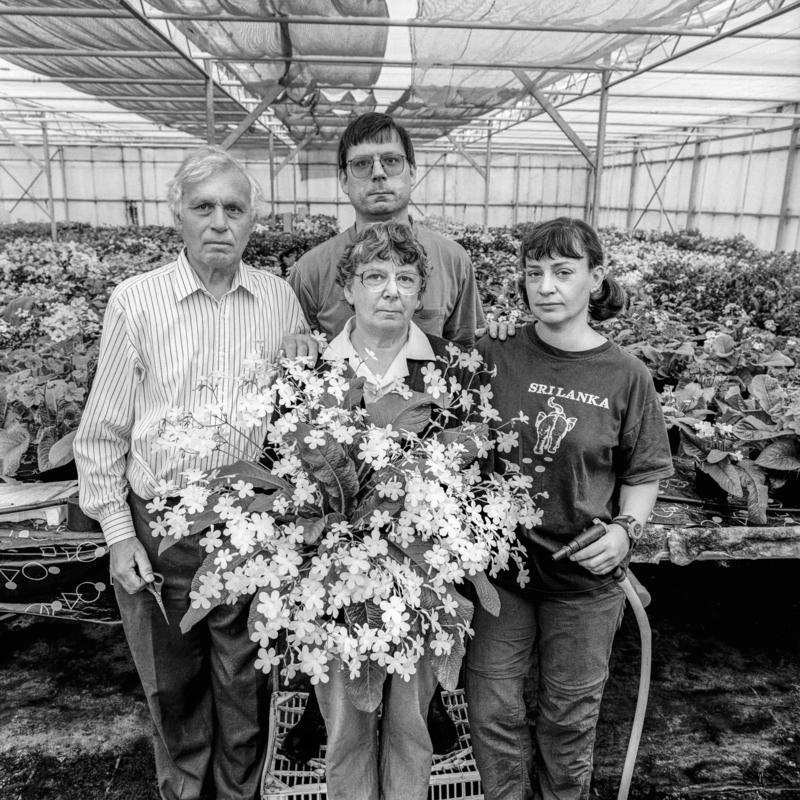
<point>417,348</point>
<point>187,282</point>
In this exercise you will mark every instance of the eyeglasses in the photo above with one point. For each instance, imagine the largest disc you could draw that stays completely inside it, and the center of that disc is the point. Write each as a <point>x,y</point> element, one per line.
<point>391,163</point>
<point>376,280</point>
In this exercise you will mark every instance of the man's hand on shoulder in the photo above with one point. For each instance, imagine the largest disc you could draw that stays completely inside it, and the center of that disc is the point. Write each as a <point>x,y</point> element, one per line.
<point>294,345</point>
<point>498,329</point>
<point>130,565</point>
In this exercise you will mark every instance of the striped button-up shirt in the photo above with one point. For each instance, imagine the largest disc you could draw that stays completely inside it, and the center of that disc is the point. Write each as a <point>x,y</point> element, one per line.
<point>163,333</point>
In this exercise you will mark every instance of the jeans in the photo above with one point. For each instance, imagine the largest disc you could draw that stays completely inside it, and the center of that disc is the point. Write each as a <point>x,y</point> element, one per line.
<point>572,636</point>
<point>207,700</point>
<point>359,765</point>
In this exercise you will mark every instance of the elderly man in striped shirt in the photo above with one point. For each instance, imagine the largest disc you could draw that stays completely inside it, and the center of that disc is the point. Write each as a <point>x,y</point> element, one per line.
<point>199,315</point>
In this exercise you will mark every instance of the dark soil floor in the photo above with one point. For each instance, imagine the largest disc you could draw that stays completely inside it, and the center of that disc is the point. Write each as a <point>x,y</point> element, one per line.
<point>723,719</point>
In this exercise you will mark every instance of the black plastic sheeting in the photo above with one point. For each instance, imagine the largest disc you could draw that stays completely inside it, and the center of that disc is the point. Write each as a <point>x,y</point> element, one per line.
<point>61,574</point>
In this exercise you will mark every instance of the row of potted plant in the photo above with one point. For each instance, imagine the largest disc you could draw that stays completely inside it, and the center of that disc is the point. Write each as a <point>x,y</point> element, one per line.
<point>716,321</point>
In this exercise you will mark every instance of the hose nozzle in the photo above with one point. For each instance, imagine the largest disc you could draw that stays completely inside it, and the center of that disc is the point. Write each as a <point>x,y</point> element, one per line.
<point>583,539</point>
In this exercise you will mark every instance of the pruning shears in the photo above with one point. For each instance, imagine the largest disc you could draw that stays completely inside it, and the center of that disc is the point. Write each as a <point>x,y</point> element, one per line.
<point>154,587</point>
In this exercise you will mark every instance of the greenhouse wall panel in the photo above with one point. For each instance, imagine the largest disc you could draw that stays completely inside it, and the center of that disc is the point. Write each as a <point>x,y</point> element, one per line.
<point>113,185</point>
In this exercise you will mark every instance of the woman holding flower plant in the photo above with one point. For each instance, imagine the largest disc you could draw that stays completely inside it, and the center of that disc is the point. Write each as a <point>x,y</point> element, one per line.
<point>595,447</point>
<point>383,276</point>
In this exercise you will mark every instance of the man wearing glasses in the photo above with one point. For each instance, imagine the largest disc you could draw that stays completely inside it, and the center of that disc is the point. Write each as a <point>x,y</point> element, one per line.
<point>376,172</point>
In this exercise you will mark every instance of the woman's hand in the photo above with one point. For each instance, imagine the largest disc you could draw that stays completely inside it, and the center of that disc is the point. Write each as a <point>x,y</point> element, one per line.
<point>607,552</point>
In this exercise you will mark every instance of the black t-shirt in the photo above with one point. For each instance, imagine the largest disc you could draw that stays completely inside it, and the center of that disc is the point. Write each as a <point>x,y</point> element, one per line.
<point>595,423</point>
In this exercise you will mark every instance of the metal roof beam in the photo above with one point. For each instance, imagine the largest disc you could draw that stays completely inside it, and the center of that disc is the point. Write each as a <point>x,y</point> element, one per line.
<point>310,19</point>
<point>568,131</point>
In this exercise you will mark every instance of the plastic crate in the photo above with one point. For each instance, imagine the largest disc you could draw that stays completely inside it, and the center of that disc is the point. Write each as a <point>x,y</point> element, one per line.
<point>453,776</point>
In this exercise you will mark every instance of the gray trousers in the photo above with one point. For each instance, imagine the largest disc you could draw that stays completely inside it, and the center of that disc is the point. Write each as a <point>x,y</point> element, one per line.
<point>207,700</point>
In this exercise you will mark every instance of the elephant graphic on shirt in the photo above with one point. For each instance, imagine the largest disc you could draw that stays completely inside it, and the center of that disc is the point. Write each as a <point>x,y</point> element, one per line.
<point>552,428</point>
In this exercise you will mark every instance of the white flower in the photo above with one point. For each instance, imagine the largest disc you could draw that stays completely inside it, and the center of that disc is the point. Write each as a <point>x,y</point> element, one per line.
<point>243,489</point>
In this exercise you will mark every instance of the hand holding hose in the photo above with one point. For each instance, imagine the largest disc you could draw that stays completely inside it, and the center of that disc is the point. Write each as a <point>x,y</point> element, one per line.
<point>602,554</point>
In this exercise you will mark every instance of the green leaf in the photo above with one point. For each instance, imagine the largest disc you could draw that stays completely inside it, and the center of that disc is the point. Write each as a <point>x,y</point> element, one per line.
<point>776,359</point>
<point>194,615</point>
<point>465,437</point>
<point>755,483</point>
<point>767,391</point>
<point>330,465</point>
<point>366,691</point>
<point>45,438</point>
<point>447,667</point>
<point>14,441</point>
<point>313,528</point>
<point>411,415</point>
<point>783,454</point>
<point>251,473</point>
<point>487,594</point>
<point>364,510</point>
<point>725,475</point>
<point>61,452</point>
<point>715,456</point>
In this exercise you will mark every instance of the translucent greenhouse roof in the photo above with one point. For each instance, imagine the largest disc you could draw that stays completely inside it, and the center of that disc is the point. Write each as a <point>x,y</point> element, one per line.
<point>528,72</point>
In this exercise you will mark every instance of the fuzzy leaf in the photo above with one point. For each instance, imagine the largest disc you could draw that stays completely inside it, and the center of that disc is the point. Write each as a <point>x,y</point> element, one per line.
<point>715,456</point>
<point>414,552</point>
<point>776,359</point>
<point>366,691</point>
<point>14,441</point>
<point>782,454</point>
<point>333,469</point>
<point>194,615</point>
<point>487,594</point>
<point>252,473</point>
<point>465,438</point>
<point>725,475</point>
<point>755,483</point>
<point>767,391</point>
<point>411,415</point>
<point>313,528</point>
<point>46,439</point>
<point>61,452</point>
<point>447,667</point>
<point>364,510</point>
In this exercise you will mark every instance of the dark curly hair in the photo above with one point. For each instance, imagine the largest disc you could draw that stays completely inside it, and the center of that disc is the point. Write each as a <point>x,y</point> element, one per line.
<point>385,241</point>
<point>572,238</point>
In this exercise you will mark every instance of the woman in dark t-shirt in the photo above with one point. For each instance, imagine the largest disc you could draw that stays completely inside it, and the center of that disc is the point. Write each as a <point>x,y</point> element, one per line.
<point>595,447</point>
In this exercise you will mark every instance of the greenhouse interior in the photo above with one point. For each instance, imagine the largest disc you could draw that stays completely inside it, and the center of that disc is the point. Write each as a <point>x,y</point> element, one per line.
<point>671,128</point>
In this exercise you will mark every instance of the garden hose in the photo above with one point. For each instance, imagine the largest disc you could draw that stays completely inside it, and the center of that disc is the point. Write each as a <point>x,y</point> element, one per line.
<point>645,637</point>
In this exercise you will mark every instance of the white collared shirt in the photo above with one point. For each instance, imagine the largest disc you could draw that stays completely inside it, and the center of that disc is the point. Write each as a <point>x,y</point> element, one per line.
<point>163,331</point>
<point>416,347</point>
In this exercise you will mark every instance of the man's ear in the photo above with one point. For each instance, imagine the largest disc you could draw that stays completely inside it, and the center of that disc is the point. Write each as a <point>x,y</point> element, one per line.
<point>343,180</point>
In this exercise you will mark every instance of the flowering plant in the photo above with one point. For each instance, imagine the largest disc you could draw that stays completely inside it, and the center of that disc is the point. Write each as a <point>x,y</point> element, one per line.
<point>356,521</point>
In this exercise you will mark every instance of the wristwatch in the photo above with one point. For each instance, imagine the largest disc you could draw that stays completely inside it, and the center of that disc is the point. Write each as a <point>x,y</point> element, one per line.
<point>632,526</point>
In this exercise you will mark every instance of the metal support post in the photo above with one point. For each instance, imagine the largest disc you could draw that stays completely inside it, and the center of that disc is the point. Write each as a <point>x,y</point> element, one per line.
<point>48,172</point>
<point>444,186</point>
<point>64,183</point>
<point>791,159</point>
<point>600,151</point>
<point>271,173</point>
<point>632,190</point>
<point>210,134</point>
<point>487,184</point>
<point>141,186</point>
<point>515,202</point>
<point>745,181</point>
<point>697,162</point>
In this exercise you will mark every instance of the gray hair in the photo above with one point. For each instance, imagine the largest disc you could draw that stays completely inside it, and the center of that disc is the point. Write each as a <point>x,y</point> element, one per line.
<point>201,164</point>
